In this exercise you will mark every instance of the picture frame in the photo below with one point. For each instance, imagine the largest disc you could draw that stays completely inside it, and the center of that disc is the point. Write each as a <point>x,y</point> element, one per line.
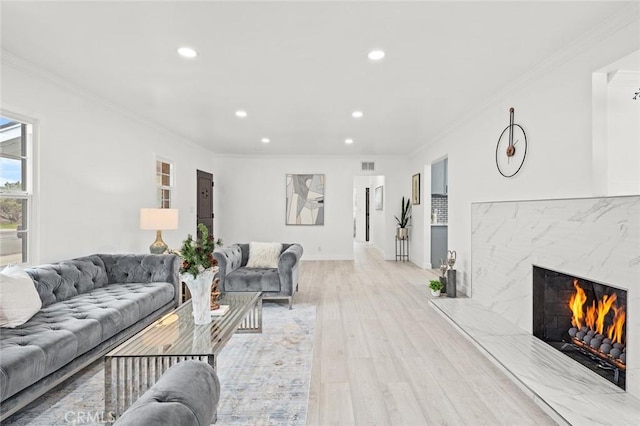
<point>415,189</point>
<point>379,194</point>
<point>304,199</point>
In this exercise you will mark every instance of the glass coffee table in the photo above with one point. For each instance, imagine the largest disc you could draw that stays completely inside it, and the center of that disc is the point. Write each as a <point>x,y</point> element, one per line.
<point>134,366</point>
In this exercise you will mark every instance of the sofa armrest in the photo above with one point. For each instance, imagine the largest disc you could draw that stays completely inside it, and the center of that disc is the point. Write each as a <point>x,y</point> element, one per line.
<point>186,394</point>
<point>143,268</point>
<point>288,268</point>
<point>229,259</point>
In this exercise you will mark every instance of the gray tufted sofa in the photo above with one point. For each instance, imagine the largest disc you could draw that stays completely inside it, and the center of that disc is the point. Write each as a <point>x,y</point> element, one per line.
<point>187,394</point>
<point>276,283</point>
<point>89,305</point>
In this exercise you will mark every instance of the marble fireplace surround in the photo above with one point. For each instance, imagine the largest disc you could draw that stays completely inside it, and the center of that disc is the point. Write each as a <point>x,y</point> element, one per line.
<point>594,238</point>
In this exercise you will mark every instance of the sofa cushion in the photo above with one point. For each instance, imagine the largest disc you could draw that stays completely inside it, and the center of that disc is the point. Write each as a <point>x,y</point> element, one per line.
<point>264,255</point>
<point>253,279</point>
<point>19,299</point>
<point>64,280</point>
<point>65,330</point>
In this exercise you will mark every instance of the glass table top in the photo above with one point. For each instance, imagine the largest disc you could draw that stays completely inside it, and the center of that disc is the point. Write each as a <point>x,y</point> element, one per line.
<point>176,334</point>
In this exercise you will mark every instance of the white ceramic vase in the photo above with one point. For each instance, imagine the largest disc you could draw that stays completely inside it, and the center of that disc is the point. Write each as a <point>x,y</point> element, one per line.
<point>200,288</point>
<point>435,293</point>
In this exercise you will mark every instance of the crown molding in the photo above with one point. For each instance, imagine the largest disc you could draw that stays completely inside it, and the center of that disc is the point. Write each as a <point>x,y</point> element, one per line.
<point>625,16</point>
<point>18,63</point>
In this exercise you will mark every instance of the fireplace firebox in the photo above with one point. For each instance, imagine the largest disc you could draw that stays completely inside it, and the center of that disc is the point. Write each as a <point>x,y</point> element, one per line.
<point>585,320</point>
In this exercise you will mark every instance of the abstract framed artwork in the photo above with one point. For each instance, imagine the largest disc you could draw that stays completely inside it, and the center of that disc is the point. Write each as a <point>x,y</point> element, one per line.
<point>415,189</point>
<point>379,194</point>
<point>305,199</point>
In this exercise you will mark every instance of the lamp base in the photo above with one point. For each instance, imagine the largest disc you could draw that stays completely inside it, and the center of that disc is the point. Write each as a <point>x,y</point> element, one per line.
<point>158,246</point>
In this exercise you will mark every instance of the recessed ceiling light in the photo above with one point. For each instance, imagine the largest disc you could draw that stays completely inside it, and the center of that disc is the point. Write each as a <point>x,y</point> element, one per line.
<point>348,141</point>
<point>265,140</point>
<point>187,52</point>
<point>357,114</point>
<point>240,113</point>
<point>376,55</point>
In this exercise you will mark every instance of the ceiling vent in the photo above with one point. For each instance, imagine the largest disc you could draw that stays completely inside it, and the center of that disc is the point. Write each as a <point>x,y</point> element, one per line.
<point>368,165</point>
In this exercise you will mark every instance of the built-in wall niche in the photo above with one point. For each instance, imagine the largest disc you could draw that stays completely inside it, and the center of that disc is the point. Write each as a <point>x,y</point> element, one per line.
<point>585,320</point>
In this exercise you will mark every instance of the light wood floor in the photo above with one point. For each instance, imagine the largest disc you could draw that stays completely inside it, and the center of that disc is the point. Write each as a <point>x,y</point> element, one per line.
<point>384,356</point>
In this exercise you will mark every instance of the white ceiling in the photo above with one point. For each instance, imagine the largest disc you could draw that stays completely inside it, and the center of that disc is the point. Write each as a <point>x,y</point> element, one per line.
<point>298,68</point>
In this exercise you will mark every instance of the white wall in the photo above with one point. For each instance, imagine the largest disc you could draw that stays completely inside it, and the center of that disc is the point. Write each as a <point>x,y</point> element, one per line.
<point>623,137</point>
<point>96,169</point>
<point>251,202</point>
<point>554,107</point>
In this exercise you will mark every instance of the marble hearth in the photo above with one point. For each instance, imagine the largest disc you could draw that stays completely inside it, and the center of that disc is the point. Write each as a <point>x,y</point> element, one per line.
<point>568,391</point>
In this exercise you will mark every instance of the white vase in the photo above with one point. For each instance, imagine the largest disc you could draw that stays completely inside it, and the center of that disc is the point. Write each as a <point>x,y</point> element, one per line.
<point>200,288</point>
<point>435,293</point>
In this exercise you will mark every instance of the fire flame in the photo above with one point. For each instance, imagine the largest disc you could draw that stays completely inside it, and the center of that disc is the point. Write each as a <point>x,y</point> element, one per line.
<point>590,319</point>
<point>596,314</point>
<point>614,331</point>
<point>604,306</point>
<point>578,299</point>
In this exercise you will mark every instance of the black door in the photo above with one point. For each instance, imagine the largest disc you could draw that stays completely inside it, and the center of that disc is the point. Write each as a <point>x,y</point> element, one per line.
<point>366,214</point>
<point>205,200</point>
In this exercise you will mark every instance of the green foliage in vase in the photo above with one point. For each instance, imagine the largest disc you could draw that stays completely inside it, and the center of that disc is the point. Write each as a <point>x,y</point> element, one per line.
<point>435,285</point>
<point>197,255</point>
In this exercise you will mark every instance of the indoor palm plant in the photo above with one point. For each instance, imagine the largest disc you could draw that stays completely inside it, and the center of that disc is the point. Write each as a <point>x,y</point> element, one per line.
<point>403,221</point>
<point>197,272</point>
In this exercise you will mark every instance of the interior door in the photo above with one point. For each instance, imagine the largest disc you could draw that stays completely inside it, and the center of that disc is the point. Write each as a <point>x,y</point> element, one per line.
<point>366,214</point>
<point>205,200</point>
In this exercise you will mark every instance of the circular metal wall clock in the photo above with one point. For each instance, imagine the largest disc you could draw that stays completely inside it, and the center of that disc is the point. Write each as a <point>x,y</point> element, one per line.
<point>511,149</point>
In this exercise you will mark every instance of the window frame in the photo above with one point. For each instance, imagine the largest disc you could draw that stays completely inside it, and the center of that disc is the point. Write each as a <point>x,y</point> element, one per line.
<point>160,161</point>
<point>29,190</point>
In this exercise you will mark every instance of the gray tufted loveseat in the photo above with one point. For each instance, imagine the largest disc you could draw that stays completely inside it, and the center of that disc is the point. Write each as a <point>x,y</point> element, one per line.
<point>274,283</point>
<point>89,305</point>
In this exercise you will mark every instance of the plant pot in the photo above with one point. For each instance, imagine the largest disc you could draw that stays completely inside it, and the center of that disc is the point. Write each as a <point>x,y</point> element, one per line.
<point>200,288</point>
<point>402,233</point>
<point>435,293</point>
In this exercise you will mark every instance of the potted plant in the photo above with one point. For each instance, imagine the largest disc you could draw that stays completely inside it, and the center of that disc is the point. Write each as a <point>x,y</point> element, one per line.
<point>197,271</point>
<point>403,221</point>
<point>436,287</point>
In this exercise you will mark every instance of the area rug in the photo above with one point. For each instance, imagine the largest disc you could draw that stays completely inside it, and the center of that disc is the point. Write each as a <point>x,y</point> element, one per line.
<point>264,377</point>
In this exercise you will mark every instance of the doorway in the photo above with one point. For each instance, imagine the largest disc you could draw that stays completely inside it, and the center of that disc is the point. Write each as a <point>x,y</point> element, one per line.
<point>367,215</point>
<point>368,211</point>
<point>204,198</point>
<point>439,212</point>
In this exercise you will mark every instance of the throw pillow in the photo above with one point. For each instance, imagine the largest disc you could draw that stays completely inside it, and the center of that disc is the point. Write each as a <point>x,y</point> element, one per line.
<point>19,299</point>
<point>264,255</point>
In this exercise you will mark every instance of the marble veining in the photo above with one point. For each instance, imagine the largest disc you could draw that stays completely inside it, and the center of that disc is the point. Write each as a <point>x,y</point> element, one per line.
<point>567,389</point>
<point>593,238</point>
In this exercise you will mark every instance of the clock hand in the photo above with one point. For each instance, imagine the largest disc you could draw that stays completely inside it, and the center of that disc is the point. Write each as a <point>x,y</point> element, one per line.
<point>516,142</point>
<point>511,126</point>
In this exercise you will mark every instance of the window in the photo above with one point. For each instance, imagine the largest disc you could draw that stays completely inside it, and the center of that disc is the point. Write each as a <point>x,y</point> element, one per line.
<point>164,178</point>
<point>16,190</point>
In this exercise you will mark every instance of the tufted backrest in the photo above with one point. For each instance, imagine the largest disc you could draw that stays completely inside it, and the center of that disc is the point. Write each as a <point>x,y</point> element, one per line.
<point>138,268</point>
<point>61,281</point>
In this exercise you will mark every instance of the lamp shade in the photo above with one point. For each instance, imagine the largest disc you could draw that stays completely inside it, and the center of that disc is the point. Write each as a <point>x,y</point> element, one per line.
<point>158,219</point>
